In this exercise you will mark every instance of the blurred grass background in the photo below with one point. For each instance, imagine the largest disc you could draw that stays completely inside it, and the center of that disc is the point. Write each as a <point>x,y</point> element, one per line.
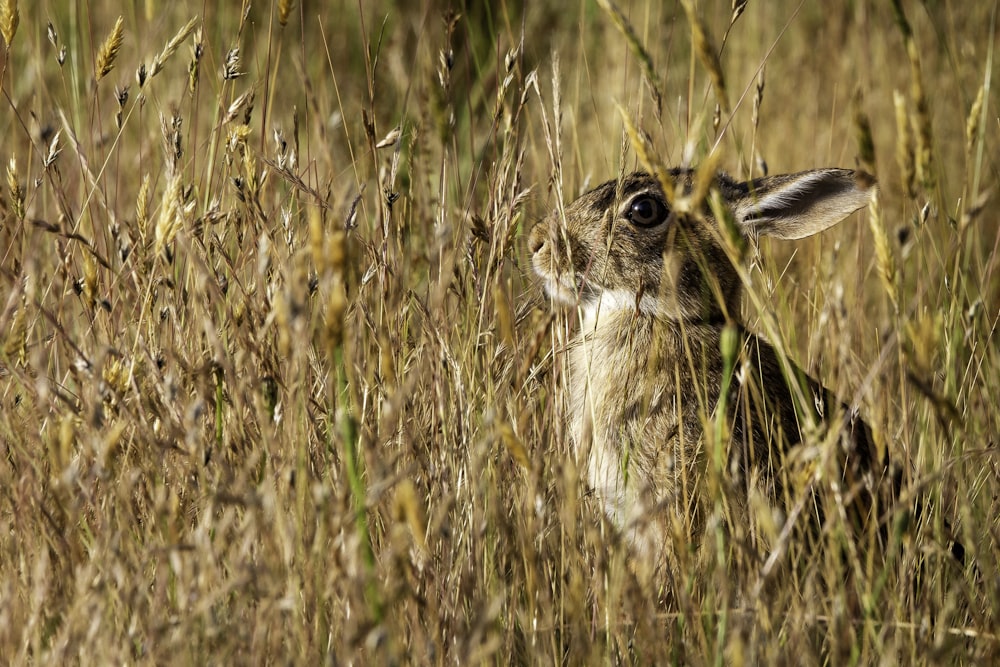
<point>276,385</point>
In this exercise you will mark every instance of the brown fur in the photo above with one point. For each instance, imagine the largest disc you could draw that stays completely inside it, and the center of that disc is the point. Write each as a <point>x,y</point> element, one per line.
<point>646,369</point>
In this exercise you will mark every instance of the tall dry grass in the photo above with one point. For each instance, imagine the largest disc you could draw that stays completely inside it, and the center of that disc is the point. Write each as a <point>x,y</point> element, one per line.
<point>276,385</point>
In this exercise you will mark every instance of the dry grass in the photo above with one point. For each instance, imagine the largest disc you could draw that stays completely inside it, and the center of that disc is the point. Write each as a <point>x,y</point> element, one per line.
<point>276,385</point>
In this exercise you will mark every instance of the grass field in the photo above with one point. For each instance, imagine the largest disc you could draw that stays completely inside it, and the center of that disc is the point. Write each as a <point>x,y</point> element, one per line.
<point>277,386</point>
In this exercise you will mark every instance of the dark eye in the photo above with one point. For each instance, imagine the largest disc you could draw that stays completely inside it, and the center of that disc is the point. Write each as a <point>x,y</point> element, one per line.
<point>646,211</point>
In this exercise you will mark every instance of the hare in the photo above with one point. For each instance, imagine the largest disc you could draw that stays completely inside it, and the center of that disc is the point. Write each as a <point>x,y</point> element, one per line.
<point>659,297</point>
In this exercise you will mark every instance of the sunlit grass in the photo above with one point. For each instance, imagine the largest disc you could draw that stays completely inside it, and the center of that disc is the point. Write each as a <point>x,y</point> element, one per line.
<point>276,383</point>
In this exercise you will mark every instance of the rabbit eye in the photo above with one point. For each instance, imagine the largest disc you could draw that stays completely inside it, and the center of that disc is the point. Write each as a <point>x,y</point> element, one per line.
<point>646,211</point>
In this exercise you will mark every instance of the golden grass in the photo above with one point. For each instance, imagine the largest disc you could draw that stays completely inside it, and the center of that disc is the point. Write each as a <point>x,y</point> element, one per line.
<point>276,384</point>
<point>108,52</point>
<point>10,17</point>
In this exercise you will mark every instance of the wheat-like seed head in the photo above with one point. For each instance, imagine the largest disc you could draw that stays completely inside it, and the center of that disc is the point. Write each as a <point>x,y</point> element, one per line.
<point>883,250</point>
<point>142,202</point>
<point>738,6</point>
<point>921,121</point>
<point>316,239</point>
<point>635,45</point>
<point>116,374</point>
<point>904,145</point>
<point>9,18</point>
<point>14,187</point>
<point>758,97</point>
<point>231,68</point>
<point>974,121</point>
<point>171,218</point>
<point>863,134</point>
<point>707,53</point>
<point>15,344</point>
<point>108,53</point>
<point>239,104</point>
<point>284,11</point>
<point>171,47</point>
<point>194,67</point>
<point>89,279</point>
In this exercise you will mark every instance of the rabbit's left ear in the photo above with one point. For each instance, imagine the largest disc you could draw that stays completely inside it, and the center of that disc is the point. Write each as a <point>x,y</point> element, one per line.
<point>793,206</point>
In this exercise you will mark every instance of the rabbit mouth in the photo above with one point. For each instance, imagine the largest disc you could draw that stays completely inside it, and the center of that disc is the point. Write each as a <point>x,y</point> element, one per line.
<point>595,300</point>
<point>578,291</point>
<point>562,289</point>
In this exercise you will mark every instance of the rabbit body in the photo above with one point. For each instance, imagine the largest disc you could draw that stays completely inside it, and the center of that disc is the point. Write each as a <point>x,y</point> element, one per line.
<point>657,290</point>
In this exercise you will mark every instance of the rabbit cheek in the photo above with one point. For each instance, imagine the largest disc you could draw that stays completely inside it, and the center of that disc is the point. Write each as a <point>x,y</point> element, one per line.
<point>665,282</point>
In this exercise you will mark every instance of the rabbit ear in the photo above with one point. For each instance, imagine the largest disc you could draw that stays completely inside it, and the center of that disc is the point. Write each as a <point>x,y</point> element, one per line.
<point>794,206</point>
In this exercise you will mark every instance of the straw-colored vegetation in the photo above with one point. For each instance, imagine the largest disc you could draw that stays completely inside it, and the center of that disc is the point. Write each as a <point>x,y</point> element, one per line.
<point>276,384</point>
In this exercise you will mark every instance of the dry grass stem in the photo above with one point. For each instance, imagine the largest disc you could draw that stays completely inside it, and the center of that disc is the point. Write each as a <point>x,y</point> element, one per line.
<point>279,383</point>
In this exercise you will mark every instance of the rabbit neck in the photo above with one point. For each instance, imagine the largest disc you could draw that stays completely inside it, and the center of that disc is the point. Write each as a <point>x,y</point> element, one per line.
<point>641,382</point>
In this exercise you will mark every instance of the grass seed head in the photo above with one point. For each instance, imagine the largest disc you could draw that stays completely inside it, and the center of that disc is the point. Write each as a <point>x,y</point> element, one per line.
<point>9,18</point>
<point>284,11</point>
<point>758,97</point>
<point>171,47</point>
<point>924,153</point>
<point>707,53</point>
<point>171,219</point>
<point>15,344</point>
<point>863,134</point>
<point>15,189</point>
<point>883,250</point>
<point>108,53</point>
<point>89,279</point>
<point>194,66</point>
<point>231,67</point>
<point>974,121</point>
<point>637,48</point>
<point>142,202</point>
<point>116,374</point>
<point>904,145</point>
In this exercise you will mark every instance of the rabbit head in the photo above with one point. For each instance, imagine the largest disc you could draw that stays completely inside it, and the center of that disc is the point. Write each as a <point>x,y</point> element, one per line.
<point>621,246</point>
